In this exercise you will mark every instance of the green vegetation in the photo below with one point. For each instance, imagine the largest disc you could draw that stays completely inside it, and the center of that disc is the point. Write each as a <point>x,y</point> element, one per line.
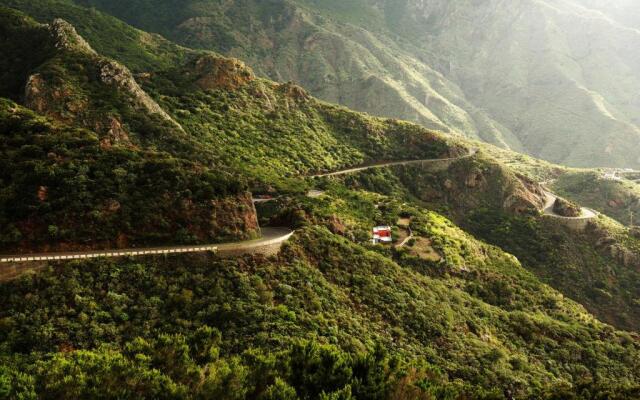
<point>262,124</point>
<point>575,264</point>
<point>425,62</point>
<point>314,320</point>
<point>102,161</point>
<point>597,268</point>
<point>109,36</point>
<point>60,187</point>
<point>132,182</point>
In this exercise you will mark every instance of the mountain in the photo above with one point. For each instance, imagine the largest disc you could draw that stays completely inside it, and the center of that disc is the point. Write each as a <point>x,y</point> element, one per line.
<point>76,87</point>
<point>557,80</point>
<point>108,132</point>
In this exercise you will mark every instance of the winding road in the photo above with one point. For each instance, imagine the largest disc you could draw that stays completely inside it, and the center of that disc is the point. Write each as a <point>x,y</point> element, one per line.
<point>471,153</point>
<point>270,237</point>
<point>587,213</point>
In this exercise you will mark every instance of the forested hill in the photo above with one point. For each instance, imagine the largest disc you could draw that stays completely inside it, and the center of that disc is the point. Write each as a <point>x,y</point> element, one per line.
<point>152,149</point>
<point>111,136</point>
<point>556,80</point>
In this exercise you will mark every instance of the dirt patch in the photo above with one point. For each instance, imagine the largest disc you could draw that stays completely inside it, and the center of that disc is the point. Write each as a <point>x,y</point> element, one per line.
<point>403,222</point>
<point>422,248</point>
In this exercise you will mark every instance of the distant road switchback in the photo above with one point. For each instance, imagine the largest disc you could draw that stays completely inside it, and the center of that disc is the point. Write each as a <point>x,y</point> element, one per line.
<point>471,153</point>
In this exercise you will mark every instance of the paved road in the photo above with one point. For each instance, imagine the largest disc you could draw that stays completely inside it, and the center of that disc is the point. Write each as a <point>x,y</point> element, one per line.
<point>270,236</point>
<point>550,201</point>
<point>471,153</point>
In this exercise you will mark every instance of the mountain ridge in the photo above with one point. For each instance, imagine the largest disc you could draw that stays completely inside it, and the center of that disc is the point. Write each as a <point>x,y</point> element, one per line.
<point>559,108</point>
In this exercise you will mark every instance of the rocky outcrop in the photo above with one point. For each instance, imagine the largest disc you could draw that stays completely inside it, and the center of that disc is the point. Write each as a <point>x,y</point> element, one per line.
<point>475,179</point>
<point>336,225</point>
<point>566,208</point>
<point>118,76</point>
<point>66,104</point>
<point>34,94</point>
<point>211,72</point>
<point>522,202</point>
<point>293,91</point>
<point>625,256</point>
<point>474,183</point>
<point>67,38</point>
<point>113,131</point>
<point>526,197</point>
<point>68,98</point>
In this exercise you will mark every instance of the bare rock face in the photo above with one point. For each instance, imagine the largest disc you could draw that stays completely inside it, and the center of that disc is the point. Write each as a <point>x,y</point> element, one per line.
<point>526,198</point>
<point>114,133</point>
<point>625,256</point>
<point>112,206</point>
<point>336,226</point>
<point>34,94</point>
<point>612,247</point>
<point>117,75</point>
<point>67,38</point>
<point>43,193</point>
<point>614,203</point>
<point>211,72</point>
<point>448,184</point>
<point>522,201</point>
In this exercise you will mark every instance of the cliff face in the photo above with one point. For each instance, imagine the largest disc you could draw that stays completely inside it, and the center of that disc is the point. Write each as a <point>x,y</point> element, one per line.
<point>234,218</point>
<point>65,37</point>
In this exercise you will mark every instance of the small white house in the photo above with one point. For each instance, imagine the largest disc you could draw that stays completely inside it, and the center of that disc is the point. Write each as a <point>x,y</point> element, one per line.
<point>382,234</point>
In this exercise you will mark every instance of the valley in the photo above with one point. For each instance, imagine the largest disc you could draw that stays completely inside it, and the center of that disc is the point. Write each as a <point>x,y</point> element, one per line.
<point>510,277</point>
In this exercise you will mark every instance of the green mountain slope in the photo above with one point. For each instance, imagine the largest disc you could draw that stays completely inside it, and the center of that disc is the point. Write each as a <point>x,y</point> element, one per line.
<point>318,63</point>
<point>555,79</point>
<point>598,267</point>
<point>331,316</point>
<point>617,198</point>
<point>213,114</point>
<point>485,329</point>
